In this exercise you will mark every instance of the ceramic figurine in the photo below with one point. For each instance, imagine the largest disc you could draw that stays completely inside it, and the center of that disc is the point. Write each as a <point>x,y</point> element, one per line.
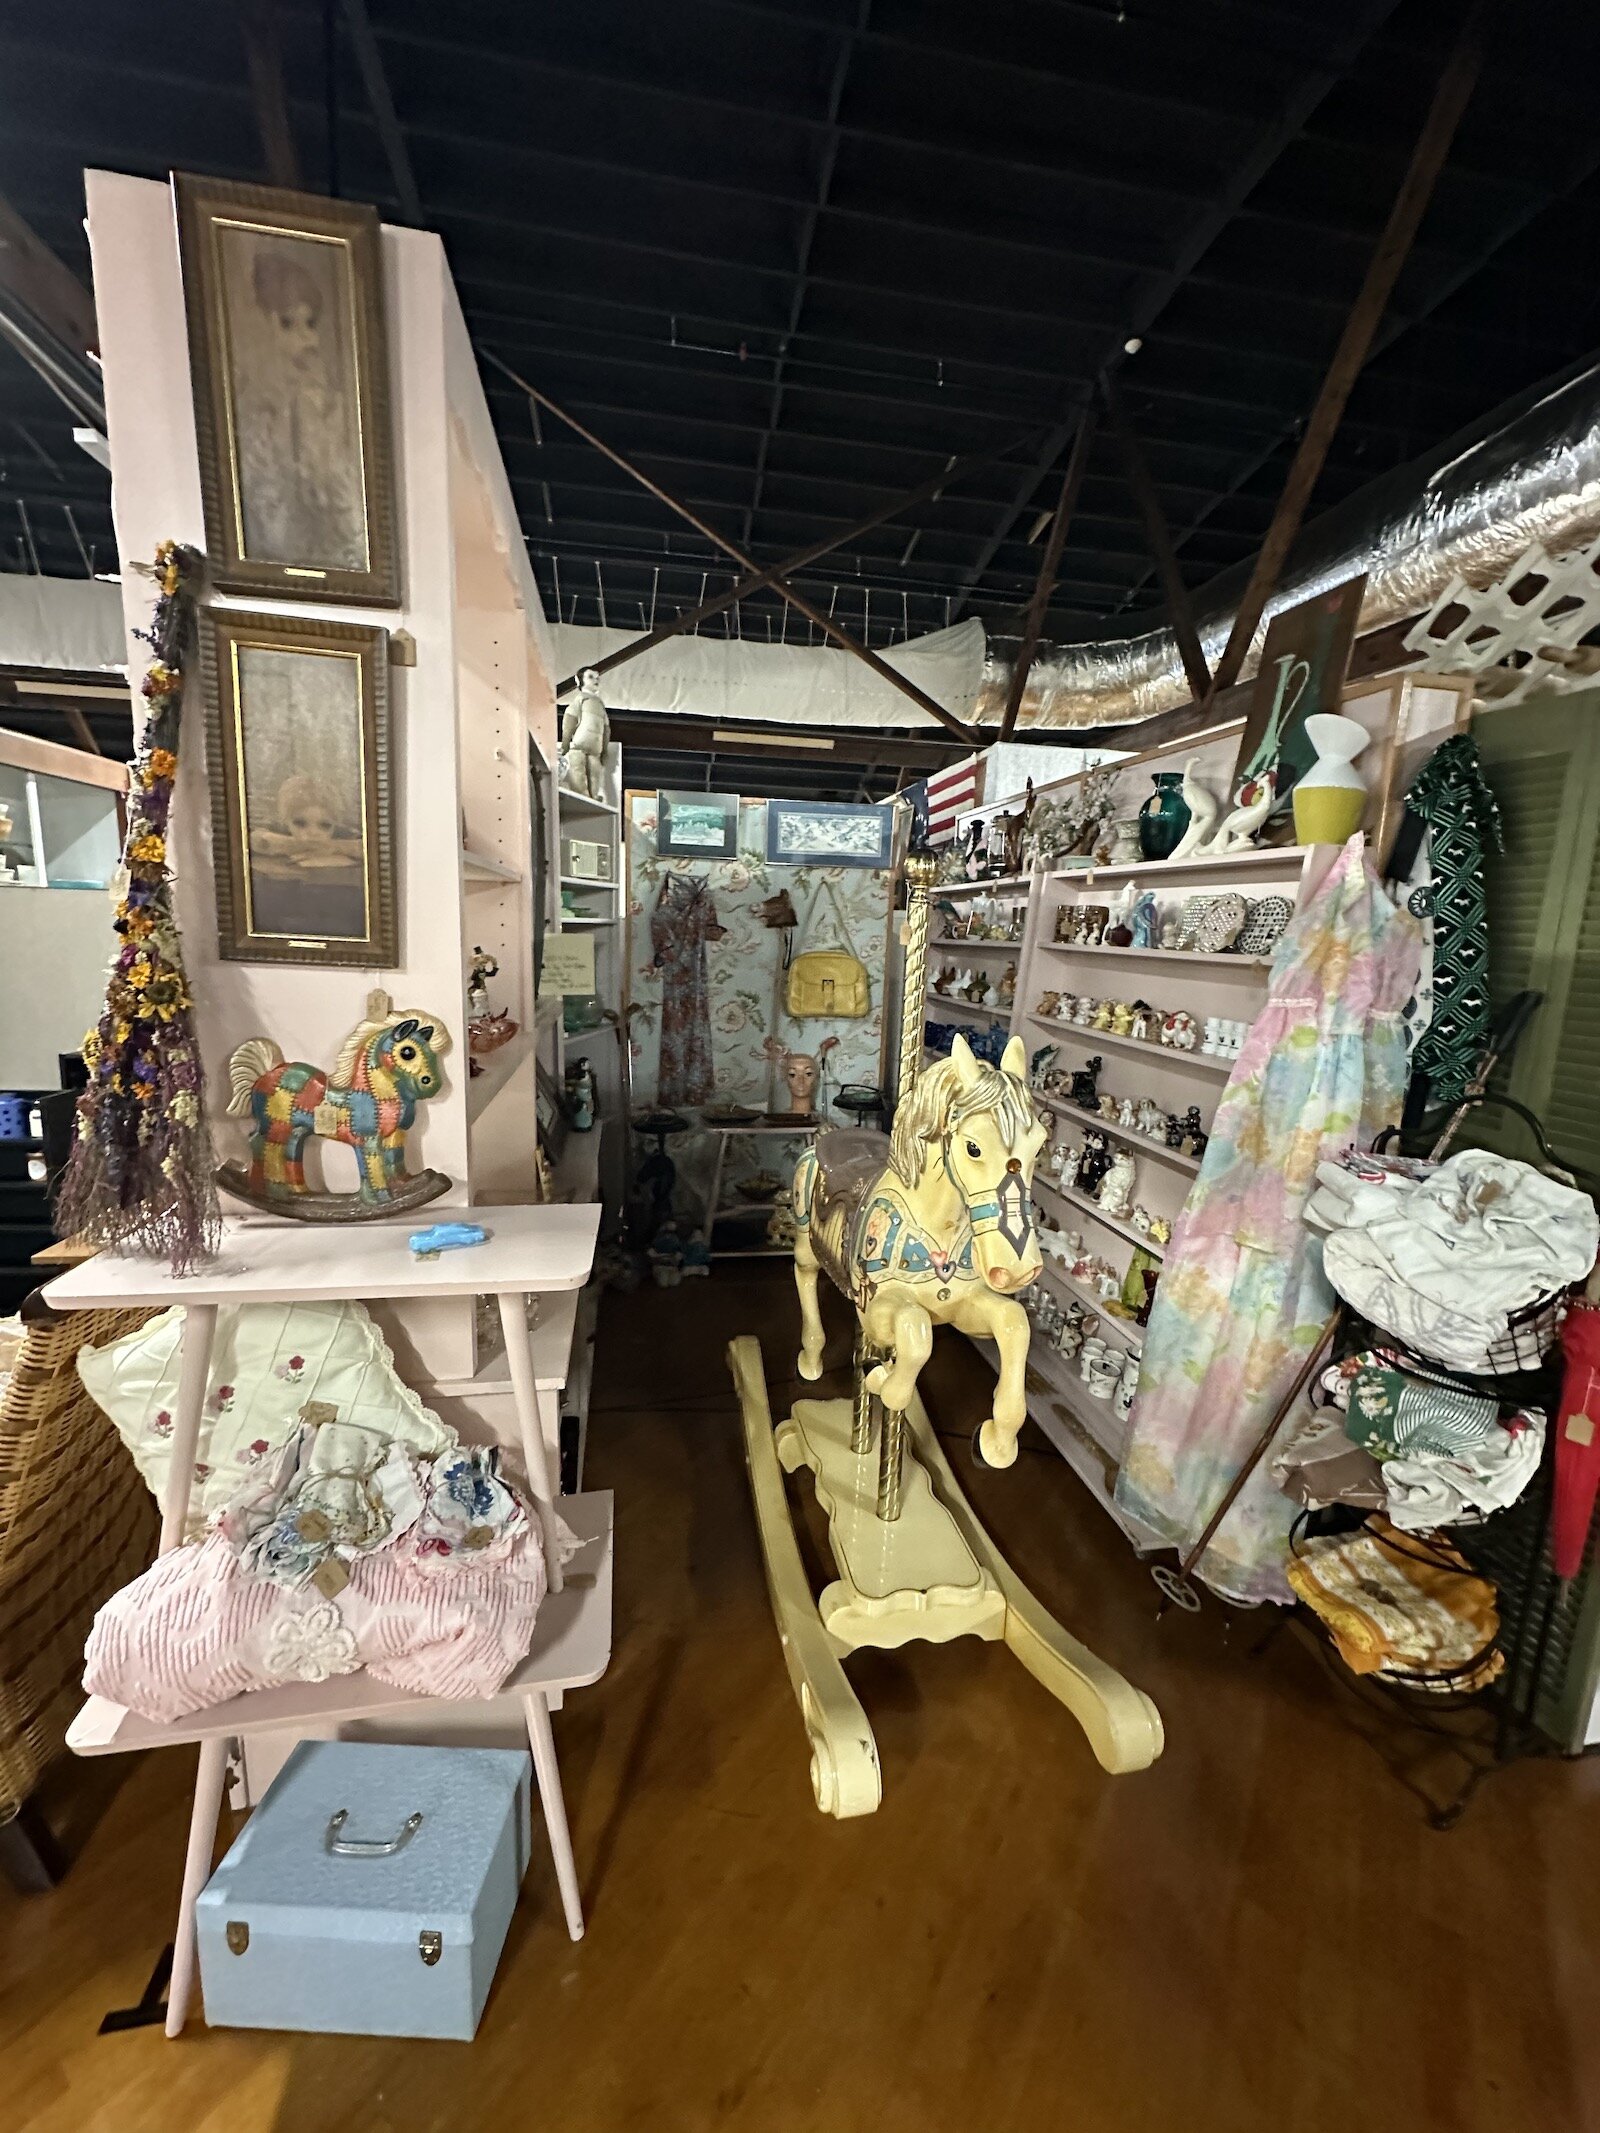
<point>1143,1024</point>
<point>1084,1079</point>
<point>1107,1108</point>
<point>1144,919</point>
<point>946,978</point>
<point>585,736</point>
<point>1179,1031</point>
<point>1039,1067</point>
<point>1140,1218</point>
<point>1094,1160</point>
<point>1047,1004</point>
<point>1008,985</point>
<point>1101,1018</point>
<point>1204,807</point>
<point>1058,1158</point>
<point>389,1063</point>
<point>697,1253</point>
<point>990,997</point>
<point>1119,934</point>
<point>1115,1190</point>
<point>1150,1118</point>
<point>1082,1009</point>
<point>1121,1018</point>
<point>1106,1283</point>
<point>1194,1135</point>
<point>1160,1229</point>
<point>480,970</point>
<point>1069,925</point>
<point>1127,1386</point>
<point>1067,1011</point>
<point>1126,849</point>
<point>1175,1130</point>
<point>1210,1042</point>
<point>1094,919</point>
<point>1253,804</point>
<point>1126,1114</point>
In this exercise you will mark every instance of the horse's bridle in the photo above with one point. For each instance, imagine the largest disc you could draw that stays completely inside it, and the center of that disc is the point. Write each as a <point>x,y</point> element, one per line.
<point>1007,1214</point>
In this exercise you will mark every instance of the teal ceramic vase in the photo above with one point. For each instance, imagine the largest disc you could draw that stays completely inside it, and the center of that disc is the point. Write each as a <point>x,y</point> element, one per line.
<point>1164,816</point>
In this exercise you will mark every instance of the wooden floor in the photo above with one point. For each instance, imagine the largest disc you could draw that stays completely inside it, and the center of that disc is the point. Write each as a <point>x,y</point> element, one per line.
<point>1261,1935</point>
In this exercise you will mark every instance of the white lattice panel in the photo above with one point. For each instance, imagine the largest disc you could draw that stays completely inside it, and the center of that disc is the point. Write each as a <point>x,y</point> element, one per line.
<point>1522,633</point>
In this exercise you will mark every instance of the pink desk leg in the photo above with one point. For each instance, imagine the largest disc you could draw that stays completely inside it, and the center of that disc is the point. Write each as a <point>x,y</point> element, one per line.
<point>519,1356</point>
<point>543,1743</point>
<point>196,1873</point>
<point>199,1327</point>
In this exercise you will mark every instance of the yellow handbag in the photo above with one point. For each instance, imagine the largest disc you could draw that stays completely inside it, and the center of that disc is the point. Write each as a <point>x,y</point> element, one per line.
<point>829,984</point>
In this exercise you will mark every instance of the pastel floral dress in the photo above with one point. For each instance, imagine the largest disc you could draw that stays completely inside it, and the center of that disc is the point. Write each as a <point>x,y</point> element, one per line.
<point>683,921</point>
<point>1242,1294</point>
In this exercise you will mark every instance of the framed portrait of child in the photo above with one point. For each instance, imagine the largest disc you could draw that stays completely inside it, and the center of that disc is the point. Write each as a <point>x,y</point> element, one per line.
<point>283,294</point>
<point>302,834</point>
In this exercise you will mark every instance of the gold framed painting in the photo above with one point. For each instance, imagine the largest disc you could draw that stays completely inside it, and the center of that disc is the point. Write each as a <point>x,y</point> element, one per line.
<point>302,830</point>
<point>284,297</point>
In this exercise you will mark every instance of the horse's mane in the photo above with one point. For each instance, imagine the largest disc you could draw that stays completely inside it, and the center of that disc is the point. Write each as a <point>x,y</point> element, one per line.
<point>938,1104</point>
<point>353,1057</point>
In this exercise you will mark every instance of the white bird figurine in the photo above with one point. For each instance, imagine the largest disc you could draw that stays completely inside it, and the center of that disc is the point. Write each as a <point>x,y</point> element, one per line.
<point>1204,808</point>
<point>1238,829</point>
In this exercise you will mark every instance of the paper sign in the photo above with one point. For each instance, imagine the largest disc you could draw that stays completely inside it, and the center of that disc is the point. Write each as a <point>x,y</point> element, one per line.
<point>568,964</point>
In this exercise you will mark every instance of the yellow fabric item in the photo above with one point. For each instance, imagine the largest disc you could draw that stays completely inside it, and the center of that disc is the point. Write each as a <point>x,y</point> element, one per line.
<point>1390,1611</point>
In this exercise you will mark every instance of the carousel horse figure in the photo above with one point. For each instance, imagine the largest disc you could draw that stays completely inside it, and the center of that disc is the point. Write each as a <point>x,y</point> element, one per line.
<point>388,1065</point>
<point>933,1226</point>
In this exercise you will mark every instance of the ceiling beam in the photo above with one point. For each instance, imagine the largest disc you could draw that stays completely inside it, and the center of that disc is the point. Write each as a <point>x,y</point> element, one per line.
<point>47,316</point>
<point>1360,23</point>
<point>385,118</point>
<point>1366,314</point>
<point>1159,535</point>
<point>841,637</point>
<point>1038,605</point>
<point>263,56</point>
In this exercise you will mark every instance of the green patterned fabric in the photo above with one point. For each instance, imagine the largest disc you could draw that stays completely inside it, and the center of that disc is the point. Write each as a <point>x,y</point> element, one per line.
<point>1463,822</point>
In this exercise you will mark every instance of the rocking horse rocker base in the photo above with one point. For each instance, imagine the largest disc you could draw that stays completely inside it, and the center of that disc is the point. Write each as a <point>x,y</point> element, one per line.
<point>414,1191</point>
<point>931,1572</point>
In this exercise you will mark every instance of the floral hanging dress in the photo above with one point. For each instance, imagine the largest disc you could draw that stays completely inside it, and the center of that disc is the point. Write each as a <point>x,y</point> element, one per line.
<point>1242,1294</point>
<point>683,921</point>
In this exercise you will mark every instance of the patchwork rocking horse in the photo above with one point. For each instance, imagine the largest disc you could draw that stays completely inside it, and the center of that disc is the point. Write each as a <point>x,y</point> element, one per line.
<point>388,1065</point>
<point>939,1234</point>
<point>932,1226</point>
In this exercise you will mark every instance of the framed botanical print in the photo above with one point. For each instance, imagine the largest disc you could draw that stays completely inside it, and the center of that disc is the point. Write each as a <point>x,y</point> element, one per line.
<point>697,825</point>
<point>828,833</point>
<point>302,834</point>
<point>284,297</point>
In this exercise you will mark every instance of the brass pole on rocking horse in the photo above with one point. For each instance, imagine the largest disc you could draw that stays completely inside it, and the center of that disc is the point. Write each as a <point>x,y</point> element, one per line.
<point>921,868</point>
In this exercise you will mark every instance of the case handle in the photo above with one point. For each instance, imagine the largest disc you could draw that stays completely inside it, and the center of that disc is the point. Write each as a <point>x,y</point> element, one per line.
<point>339,1847</point>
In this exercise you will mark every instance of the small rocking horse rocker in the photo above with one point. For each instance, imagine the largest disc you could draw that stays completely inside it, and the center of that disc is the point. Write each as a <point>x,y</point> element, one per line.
<point>387,1065</point>
<point>931,1226</point>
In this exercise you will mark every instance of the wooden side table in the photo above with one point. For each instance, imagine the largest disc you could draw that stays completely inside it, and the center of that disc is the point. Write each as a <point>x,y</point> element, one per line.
<point>530,1251</point>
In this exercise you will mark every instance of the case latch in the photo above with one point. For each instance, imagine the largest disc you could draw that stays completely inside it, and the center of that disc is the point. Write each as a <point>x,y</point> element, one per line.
<point>430,1946</point>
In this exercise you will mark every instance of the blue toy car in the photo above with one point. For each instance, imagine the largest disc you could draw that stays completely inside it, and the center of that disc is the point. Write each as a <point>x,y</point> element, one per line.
<point>446,1237</point>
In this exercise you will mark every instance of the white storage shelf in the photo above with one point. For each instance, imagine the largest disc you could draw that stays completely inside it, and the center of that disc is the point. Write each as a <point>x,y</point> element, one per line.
<point>1070,1196</point>
<point>1141,1143</point>
<point>1158,1054</point>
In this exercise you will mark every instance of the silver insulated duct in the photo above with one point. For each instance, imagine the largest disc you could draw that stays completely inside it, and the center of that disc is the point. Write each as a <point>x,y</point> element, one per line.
<point>1530,473</point>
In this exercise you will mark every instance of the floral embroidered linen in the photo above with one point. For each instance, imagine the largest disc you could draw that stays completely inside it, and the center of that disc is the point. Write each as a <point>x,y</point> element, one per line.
<point>267,1362</point>
<point>352,1552</point>
<point>1243,1294</point>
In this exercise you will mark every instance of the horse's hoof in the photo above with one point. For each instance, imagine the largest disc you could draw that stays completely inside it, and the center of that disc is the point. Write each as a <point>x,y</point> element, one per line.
<point>991,1446</point>
<point>876,1378</point>
<point>809,1367</point>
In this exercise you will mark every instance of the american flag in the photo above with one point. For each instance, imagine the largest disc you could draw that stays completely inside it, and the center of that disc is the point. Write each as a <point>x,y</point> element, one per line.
<point>952,792</point>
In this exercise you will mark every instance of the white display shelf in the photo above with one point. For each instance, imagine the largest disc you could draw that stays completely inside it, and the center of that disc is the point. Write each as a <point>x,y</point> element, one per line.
<point>1071,1197</point>
<point>1084,1462</point>
<point>579,803</point>
<point>1161,955</point>
<point>955,941</point>
<point>498,1069</point>
<point>1142,1142</point>
<point>1122,1329</point>
<point>967,1007</point>
<point>1289,856</point>
<point>1098,1416</point>
<point>479,866</point>
<point>585,881</point>
<point>551,1342</point>
<point>1012,885</point>
<point>588,918</point>
<point>1166,1054</point>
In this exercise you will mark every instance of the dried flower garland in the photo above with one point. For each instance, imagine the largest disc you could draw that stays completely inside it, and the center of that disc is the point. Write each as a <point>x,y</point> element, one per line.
<point>140,1176</point>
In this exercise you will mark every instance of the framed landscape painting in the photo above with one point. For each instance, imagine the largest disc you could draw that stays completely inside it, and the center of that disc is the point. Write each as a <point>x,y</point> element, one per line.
<point>297,743</point>
<point>697,825</point>
<point>284,298</point>
<point>828,833</point>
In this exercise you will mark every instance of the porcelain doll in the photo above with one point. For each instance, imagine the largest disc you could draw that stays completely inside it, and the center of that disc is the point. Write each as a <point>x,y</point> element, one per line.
<point>1115,1189</point>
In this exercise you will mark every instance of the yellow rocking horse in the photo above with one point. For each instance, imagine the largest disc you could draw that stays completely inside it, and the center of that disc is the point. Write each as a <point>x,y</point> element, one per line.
<point>931,1226</point>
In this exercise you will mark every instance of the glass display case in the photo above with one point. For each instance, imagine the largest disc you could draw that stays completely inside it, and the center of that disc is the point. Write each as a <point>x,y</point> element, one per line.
<point>55,832</point>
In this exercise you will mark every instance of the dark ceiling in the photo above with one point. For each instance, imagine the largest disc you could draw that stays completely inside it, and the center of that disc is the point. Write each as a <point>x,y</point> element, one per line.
<point>792,256</point>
